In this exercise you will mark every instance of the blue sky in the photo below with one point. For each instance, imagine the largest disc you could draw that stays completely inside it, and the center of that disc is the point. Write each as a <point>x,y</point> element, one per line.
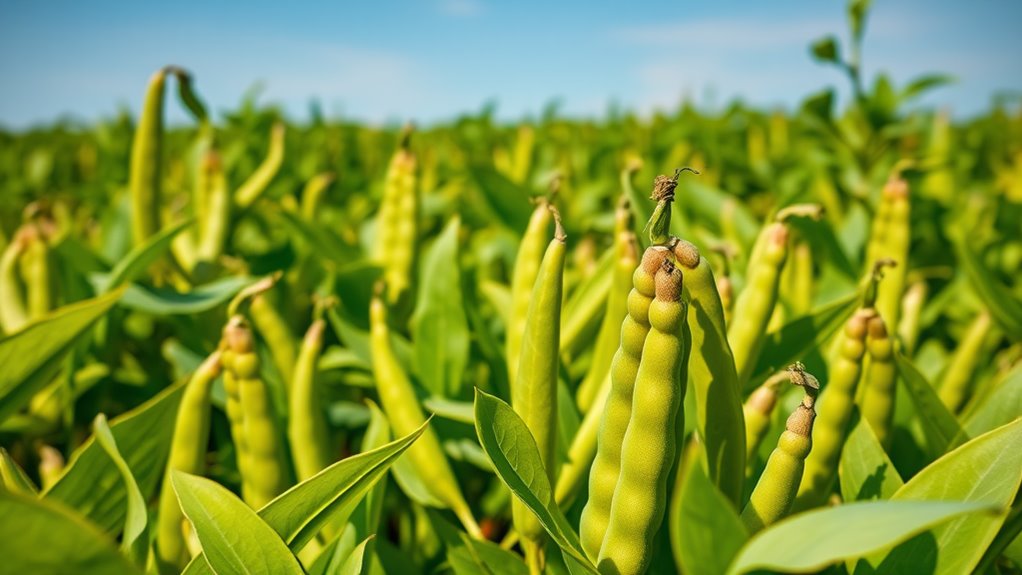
<point>429,60</point>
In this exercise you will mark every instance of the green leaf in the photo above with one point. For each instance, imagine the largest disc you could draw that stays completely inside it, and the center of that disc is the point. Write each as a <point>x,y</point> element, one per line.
<point>515,456</point>
<point>826,50</point>
<point>985,471</point>
<point>923,84</point>
<point>33,356</point>
<point>135,536</point>
<point>508,203</point>
<point>328,497</point>
<point>357,562</point>
<point>43,538</point>
<point>13,477</point>
<point>1004,307</point>
<point>800,336</point>
<point>439,324</point>
<point>821,237</point>
<point>323,241</point>
<point>585,306</point>
<point>166,301</point>
<point>865,470</point>
<point>999,406</point>
<point>810,541</point>
<point>92,484</point>
<point>138,260</point>
<point>460,411</point>
<point>710,531</point>
<point>234,539</point>
<point>468,556</point>
<point>940,428</point>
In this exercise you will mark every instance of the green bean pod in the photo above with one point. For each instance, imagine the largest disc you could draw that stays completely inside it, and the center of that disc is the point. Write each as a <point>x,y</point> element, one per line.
<point>603,476</point>
<point>266,474</point>
<point>879,383</point>
<point>277,334</point>
<point>523,278</point>
<point>758,411</point>
<point>836,406</point>
<point>648,452</point>
<point>626,252</point>
<point>400,403</point>
<point>714,378</point>
<point>255,185</point>
<point>313,192</point>
<point>188,454</point>
<point>144,179</point>
<point>955,384</point>
<point>216,212</point>
<point>397,222</point>
<point>307,427</point>
<point>51,466</point>
<point>911,310</point>
<point>236,418</point>
<point>36,270</point>
<point>774,494</point>
<point>534,395</point>
<point>755,304</point>
<point>13,311</point>
<point>894,245</point>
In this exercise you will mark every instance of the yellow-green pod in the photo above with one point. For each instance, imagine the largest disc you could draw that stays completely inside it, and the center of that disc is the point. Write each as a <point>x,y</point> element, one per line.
<point>36,271</point>
<point>911,311</point>
<point>955,383</point>
<point>534,394</point>
<point>188,454</point>
<point>714,378</point>
<point>215,214</point>
<point>757,412</point>
<point>648,451</point>
<point>835,408</point>
<point>755,304</point>
<point>252,188</point>
<point>13,311</point>
<point>582,450</point>
<point>313,192</point>
<point>774,494</point>
<point>894,244</point>
<point>523,278</point>
<point>277,334</point>
<point>307,427</point>
<point>397,223</point>
<point>626,252</point>
<point>144,179</point>
<point>400,403</point>
<point>879,383</point>
<point>236,418</point>
<point>603,476</point>
<point>51,466</point>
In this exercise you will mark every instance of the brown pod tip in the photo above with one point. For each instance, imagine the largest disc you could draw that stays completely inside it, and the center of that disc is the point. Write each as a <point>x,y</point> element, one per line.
<point>669,281</point>
<point>559,234</point>
<point>652,258</point>
<point>239,335</point>
<point>686,253</point>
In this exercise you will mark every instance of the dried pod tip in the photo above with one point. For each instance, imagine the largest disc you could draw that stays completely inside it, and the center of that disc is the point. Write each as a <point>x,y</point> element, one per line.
<point>238,335</point>
<point>652,257</point>
<point>559,234</point>
<point>686,253</point>
<point>799,376</point>
<point>877,274</point>
<point>554,187</point>
<point>896,187</point>
<point>811,211</point>
<point>668,281</point>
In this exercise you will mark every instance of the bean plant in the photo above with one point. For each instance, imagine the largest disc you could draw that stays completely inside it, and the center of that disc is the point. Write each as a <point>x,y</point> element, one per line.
<point>701,342</point>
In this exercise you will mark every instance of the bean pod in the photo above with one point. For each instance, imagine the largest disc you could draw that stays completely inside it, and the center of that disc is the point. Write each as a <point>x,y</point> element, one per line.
<point>523,278</point>
<point>755,304</point>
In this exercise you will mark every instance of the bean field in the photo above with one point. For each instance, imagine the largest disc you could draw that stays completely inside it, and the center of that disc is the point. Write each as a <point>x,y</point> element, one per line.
<point>699,341</point>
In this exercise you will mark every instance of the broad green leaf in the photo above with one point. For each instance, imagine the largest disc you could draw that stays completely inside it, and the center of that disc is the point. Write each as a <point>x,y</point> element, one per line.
<point>135,536</point>
<point>33,356</point>
<point>710,532</point>
<point>941,429</point>
<point>799,336</point>
<point>810,541</point>
<point>826,49</point>
<point>412,485</point>
<point>166,301</point>
<point>508,202</point>
<point>323,241</point>
<point>234,539</point>
<point>439,324</point>
<point>923,84</point>
<point>469,556</point>
<point>865,470</point>
<point>999,406</point>
<point>13,477</point>
<point>138,260</point>
<point>823,240</point>
<point>44,538</point>
<point>357,562</point>
<point>329,496</point>
<point>92,484</point>
<point>515,456</point>
<point>1001,301</point>
<point>985,471</point>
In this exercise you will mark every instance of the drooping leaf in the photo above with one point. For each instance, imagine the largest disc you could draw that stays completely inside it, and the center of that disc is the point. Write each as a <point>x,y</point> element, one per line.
<point>506,201</point>
<point>710,530</point>
<point>44,538</point>
<point>439,324</point>
<point>865,470</point>
<point>166,301</point>
<point>92,484</point>
<point>138,260</point>
<point>33,356</point>
<point>1002,303</point>
<point>135,535</point>
<point>515,456</point>
<point>941,429</point>
<point>234,539</point>
<point>810,541</point>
